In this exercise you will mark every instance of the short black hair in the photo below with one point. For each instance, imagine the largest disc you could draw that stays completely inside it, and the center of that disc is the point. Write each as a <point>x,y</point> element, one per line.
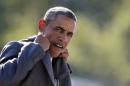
<point>53,12</point>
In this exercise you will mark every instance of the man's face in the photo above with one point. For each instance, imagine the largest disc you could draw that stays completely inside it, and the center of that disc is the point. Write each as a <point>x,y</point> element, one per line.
<point>59,32</point>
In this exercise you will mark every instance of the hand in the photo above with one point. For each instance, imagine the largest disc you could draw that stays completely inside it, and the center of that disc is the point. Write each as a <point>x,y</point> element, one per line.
<point>42,41</point>
<point>64,54</point>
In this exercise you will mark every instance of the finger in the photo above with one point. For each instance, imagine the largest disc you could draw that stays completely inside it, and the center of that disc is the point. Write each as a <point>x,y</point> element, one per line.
<point>43,35</point>
<point>64,55</point>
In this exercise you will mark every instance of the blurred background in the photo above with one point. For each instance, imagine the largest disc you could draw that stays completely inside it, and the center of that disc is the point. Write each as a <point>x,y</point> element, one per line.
<point>100,49</point>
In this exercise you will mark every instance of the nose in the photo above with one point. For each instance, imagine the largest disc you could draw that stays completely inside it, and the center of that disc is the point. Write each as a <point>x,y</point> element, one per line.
<point>63,38</point>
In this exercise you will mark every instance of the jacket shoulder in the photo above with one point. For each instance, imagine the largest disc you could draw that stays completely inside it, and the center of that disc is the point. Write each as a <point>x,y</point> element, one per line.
<point>11,45</point>
<point>10,49</point>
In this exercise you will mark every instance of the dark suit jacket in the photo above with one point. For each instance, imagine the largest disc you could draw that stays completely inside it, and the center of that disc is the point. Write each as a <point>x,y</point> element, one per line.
<point>24,63</point>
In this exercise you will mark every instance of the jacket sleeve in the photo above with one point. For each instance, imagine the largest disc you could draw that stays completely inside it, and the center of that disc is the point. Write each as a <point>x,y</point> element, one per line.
<point>17,60</point>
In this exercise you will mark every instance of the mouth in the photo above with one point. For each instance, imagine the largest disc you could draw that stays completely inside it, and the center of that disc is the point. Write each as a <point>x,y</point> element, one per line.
<point>58,45</point>
<point>56,48</point>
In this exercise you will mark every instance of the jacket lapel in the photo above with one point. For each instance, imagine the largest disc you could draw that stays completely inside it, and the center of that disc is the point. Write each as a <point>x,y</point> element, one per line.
<point>46,60</point>
<point>48,65</point>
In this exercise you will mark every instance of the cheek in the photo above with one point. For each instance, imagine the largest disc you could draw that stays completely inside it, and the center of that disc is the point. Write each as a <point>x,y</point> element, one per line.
<point>51,37</point>
<point>68,42</point>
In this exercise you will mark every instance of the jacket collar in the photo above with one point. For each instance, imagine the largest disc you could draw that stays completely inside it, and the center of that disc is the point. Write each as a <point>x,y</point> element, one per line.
<point>46,60</point>
<point>60,68</point>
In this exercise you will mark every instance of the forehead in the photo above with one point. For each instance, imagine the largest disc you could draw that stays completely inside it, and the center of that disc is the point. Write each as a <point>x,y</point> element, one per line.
<point>63,21</point>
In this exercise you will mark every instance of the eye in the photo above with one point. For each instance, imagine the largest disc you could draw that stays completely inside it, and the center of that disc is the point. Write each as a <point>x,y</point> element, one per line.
<point>70,34</point>
<point>59,29</point>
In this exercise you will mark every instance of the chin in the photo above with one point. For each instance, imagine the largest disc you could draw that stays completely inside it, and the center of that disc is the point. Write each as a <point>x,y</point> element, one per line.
<point>55,52</point>
<point>54,55</point>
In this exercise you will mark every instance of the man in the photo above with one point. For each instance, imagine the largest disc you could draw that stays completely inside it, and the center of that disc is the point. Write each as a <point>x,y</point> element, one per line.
<point>40,60</point>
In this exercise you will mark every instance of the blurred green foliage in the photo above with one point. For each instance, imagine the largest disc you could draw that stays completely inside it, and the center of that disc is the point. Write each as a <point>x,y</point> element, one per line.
<point>100,48</point>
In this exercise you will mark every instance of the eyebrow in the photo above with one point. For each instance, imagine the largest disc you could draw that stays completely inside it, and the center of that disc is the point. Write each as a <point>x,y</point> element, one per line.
<point>62,28</point>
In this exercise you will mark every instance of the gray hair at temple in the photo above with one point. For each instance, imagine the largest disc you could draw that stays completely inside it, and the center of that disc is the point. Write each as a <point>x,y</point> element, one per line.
<point>52,13</point>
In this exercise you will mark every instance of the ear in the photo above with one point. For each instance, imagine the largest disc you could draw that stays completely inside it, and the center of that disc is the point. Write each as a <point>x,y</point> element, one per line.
<point>41,25</point>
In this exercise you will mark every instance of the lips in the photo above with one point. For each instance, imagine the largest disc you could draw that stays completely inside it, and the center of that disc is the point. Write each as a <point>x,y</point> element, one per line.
<point>56,48</point>
<point>58,45</point>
